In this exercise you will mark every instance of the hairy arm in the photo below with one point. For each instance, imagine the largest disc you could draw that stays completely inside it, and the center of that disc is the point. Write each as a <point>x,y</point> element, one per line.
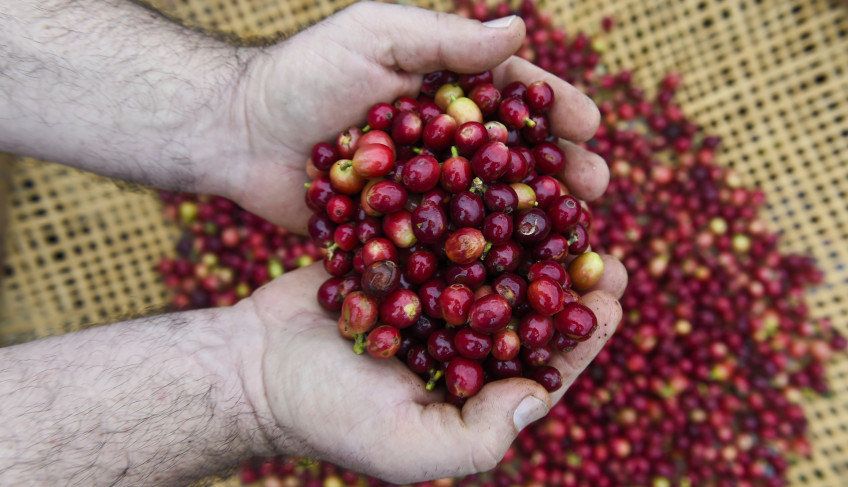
<point>111,87</point>
<point>154,401</point>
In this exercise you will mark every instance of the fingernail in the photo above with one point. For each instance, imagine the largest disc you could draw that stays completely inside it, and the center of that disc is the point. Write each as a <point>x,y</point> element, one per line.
<point>501,23</point>
<point>530,409</point>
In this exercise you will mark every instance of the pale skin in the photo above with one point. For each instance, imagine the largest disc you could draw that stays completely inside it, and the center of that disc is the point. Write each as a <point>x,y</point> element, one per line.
<point>107,86</point>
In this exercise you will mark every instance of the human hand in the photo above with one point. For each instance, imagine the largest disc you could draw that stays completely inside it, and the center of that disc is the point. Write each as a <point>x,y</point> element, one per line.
<point>319,400</point>
<point>323,80</point>
<point>375,416</point>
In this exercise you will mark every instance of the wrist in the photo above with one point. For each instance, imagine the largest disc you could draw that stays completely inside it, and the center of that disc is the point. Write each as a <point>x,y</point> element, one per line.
<point>229,351</point>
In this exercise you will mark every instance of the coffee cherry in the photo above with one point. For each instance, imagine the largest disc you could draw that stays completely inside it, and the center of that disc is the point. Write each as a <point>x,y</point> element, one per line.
<point>586,270</point>
<point>373,161</point>
<point>548,377</point>
<point>420,266</point>
<point>535,330</point>
<point>500,197</point>
<point>400,308</point>
<point>440,344</point>
<point>419,360</point>
<point>487,97</point>
<point>429,294</point>
<point>545,296</point>
<point>429,223</point>
<point>465,245</point>
<point>472,275</point>
<point>466,210</point>
<point>386,196</point>
<point>490,161</point>
<point>421,174</point>
<point>505,344</point>
<point>511,287</point>
<point>359,314</point>
<point>564,213</point>
<point>406,128</point>
<point>489,314</point>
<point>455,304</point>
<point>463,377</point>
<point>514,113</point>
<point>380,278</point>
<point>497,228</point>
<point>576,321</point>
<point>549,158</point>
<point>383,342</point>
<point>469,137</point>
<point>472,344</point>
<point>380,116</point>
<point>323,156</point>
<point>539,96</point>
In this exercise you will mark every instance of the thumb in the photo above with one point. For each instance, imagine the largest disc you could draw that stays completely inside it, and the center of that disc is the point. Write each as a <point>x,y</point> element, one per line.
<point>496,414</point>
<point>418,40</point>
<point>449,442</point>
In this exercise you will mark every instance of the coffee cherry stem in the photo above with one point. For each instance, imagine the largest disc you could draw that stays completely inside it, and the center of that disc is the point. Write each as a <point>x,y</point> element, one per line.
<point>359,343</point>
<point>477,186</point>
<point>529,122</point>
<point>486,250</point>
<point>366,128</point>
<point>435,375</point>
<point>454,151</point>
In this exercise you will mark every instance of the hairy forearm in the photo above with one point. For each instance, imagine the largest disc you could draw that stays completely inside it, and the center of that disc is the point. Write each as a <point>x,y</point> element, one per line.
<point>111,87</point>
<point>154,401</point>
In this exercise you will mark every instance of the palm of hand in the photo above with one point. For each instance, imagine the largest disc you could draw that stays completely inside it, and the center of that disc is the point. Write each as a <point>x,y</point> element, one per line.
<point>375,415</point>
<point>379,407</point>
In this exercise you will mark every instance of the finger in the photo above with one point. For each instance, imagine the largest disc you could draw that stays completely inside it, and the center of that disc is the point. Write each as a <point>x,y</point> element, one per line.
<point>449,442</point>
<point>571,364</point>
<point>614,278</point>
<point>418,40</point>
<point>586,174</point>
<point>574,116</point>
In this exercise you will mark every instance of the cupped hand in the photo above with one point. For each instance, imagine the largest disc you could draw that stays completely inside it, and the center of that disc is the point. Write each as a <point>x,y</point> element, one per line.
<point>323,80</point>
<point>375,416</point>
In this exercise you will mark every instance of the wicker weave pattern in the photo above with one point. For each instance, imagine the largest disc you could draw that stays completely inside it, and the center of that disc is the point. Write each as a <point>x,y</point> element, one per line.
<point>767,76</point>
<point>80,251</point>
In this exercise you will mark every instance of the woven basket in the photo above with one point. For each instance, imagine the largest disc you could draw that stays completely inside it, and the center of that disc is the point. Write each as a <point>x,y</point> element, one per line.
<point>767,76</point>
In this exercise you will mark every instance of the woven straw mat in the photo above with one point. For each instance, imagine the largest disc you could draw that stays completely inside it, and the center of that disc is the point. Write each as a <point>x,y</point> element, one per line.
<point>767,76</point>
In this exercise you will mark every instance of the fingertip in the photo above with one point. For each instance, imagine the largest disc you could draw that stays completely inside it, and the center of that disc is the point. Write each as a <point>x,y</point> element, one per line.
<point>420,40</point>
<point>590,118</point>
<point>473,50</point>
<point>586,174</point>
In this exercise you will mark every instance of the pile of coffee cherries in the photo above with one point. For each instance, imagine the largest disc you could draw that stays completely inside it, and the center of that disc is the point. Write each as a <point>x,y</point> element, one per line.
<point>450,242</point>
<point>702,383</point>
<point>225,252</point>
